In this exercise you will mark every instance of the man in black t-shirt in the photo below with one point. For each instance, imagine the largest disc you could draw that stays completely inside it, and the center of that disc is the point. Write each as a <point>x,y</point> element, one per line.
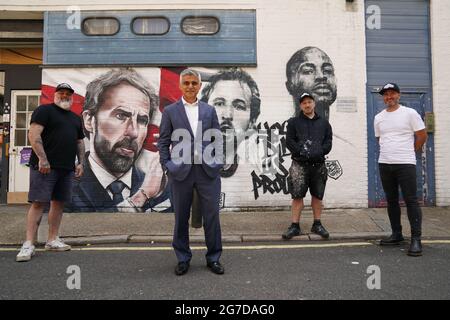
<point>56,136</point>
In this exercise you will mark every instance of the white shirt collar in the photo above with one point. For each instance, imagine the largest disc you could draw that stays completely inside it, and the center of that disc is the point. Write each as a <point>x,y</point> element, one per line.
<point>105,178</point>
<point>185,103</point>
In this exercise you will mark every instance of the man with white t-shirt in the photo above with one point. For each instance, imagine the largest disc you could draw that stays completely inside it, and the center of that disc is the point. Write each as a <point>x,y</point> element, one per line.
<point>395,129</point>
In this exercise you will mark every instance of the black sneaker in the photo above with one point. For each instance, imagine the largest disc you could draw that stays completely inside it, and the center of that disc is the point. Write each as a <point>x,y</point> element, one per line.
<point>291,232</point>
<point>320,230</point>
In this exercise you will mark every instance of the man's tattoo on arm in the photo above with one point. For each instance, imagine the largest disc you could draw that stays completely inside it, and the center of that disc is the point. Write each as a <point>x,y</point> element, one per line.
<point>80,151</point>
<point>38,147</point>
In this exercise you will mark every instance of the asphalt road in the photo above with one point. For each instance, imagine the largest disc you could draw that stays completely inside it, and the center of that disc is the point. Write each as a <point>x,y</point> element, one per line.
<point>279,271</point>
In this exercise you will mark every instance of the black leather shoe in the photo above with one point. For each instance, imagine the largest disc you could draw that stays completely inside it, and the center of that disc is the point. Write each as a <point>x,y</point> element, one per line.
<point>392,240</point>
<point>216,267</point>
<point>320,230</point>
<point>182,268</point>
<point>415,249</point>
<point>291,232</point>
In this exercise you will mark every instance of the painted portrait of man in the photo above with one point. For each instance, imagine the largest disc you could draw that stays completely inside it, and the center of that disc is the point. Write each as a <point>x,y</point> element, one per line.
<point>119,105</point>
<point>310,70</point>
<point>235,96</point>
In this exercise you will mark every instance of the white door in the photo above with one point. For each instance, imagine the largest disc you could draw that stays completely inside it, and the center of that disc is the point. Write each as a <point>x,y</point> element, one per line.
<point>23,102</point>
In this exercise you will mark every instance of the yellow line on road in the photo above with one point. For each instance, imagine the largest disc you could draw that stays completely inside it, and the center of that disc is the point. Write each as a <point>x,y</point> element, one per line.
<point>300,246</point>
<point>436,241</point>
<point>240,247</point>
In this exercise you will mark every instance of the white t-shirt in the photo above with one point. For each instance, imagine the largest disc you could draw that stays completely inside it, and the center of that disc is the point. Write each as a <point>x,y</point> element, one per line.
<point>396,132</point>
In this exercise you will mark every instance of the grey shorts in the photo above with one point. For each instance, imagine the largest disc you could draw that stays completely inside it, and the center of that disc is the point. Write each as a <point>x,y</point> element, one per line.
<point>307,176</point>
<point>57,185</point>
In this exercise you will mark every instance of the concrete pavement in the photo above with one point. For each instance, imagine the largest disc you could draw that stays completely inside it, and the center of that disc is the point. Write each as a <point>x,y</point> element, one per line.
<point>98,228</point>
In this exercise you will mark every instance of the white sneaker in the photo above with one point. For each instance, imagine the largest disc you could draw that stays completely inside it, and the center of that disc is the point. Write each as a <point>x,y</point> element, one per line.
<point>57,245</point>
<point>26,252</point>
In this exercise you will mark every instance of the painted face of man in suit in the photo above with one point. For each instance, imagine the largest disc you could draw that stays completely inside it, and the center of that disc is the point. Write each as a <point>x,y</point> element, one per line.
<point>120,127</point>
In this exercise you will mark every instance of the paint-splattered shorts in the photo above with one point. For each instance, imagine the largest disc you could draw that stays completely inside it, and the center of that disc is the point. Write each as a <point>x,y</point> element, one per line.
<point>307,176</point>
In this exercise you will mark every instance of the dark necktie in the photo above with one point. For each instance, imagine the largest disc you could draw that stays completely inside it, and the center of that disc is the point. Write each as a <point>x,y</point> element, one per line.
<point>116,188</point>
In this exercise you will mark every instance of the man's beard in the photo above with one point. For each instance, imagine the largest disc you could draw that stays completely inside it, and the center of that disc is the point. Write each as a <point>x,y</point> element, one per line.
<point>65,104</point>
<point>113,161</point>
<point>393,104</point>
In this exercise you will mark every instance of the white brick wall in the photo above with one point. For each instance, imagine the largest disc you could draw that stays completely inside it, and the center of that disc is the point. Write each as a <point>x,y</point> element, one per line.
<point>62,5</point>
<point>440,46</point>
<point>285,27</point>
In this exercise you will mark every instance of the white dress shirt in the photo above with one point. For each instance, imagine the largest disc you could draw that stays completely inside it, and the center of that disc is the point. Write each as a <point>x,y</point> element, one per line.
<point>105,178</point>
<point>192,114</point>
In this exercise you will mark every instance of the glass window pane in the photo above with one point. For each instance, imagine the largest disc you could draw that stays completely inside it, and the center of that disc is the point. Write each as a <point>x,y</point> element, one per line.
<point>33,102</point>
<point>28,119</point>
<point>200,25</point>
<point>152,26</point>
<point>20,140</point>
<point>21,103</point>
<point>100,26</point>
<point>28,144</point>
<point>21,121</point>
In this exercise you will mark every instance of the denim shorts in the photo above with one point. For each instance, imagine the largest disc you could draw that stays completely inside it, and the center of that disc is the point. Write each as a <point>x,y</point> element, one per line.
<point>307,176</point>
<point>56,185</point>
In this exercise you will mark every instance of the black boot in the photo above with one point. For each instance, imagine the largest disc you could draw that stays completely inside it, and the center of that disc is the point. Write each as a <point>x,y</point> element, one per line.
<point>394,239</point>
<point>415,249</point>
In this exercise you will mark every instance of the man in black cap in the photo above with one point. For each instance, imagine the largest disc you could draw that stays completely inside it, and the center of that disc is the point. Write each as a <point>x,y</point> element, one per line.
<point>309,138</point>
<point>400,131</point>
<point>56,136</point>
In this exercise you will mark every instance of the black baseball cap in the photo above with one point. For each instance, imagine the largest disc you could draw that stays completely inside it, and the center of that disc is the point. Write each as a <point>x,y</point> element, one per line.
<point>305,95</point>
<point>390,86</point>
<point>65,86</point>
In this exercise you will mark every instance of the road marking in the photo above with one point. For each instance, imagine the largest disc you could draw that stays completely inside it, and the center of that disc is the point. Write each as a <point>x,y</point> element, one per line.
<point>250,247</point>
<point>242,247</point>
<point>436,241</point>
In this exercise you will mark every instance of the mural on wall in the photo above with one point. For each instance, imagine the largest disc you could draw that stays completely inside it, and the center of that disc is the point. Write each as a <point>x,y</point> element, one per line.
<point>121,111</point>
<point>119,106</point>
<point>309,70</point>
<point>235,96</point>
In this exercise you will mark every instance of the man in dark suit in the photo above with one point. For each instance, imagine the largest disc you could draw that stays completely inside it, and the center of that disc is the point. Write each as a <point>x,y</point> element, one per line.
<point>191,128</point>
<point>118,108</point>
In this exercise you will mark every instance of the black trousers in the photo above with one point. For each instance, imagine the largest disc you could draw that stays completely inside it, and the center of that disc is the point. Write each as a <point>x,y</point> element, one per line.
<point>394,176</point>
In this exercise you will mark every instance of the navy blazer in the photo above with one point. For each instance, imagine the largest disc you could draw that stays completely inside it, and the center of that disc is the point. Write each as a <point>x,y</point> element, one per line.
<point>176,156</point>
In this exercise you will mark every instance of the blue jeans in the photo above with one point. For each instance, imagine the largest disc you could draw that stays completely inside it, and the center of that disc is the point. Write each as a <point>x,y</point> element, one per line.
<point>394,176</point>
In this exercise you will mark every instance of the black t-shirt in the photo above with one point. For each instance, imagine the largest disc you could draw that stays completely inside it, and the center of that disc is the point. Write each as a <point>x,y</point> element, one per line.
<point>62,130</point>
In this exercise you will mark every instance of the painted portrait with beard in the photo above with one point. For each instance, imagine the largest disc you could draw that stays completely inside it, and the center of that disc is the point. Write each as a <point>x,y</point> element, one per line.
<point>235,96</point>
<point>310,70</point>
<point>118,108</point>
